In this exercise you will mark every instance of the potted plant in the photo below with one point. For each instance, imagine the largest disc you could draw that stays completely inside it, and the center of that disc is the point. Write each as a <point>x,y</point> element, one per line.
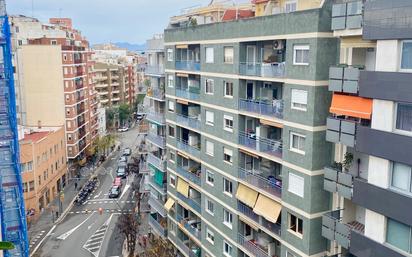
<point>348,160</point>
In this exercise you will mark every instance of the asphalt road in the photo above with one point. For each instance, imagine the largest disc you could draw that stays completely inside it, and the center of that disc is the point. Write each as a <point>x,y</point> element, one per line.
<point>84,232</point>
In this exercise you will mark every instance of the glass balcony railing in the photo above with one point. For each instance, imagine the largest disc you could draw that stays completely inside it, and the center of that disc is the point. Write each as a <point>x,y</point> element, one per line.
<point>187,65</point>
<point>266,70</point>
<point>156,93</point>
<point>184,120</point>
<point>157,205</point>
<point>270,184</point>
<point>157,162</point>
<point>192,203</point>
<point>188,175</point>
<point>155,69</point>
<point>157,227</point>
<point>160,141</point>
<point>157,117</point>
<point>187,225</point>
<point>191,93</point>
<point>195,252</point>
<point>261,144</point>
<point>251,247</point>
<point>193,150</point>
<point>160,188</point>
<point>336,180</point>
<point>263,107</point>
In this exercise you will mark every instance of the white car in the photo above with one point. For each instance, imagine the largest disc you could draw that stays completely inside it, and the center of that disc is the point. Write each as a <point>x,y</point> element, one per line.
<point>123,129</point>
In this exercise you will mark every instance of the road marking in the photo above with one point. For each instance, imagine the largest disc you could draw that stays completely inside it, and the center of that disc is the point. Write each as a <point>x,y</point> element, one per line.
<point>97,195</point>
<point>68,233</point>
<point>125,190</point>
<point>94,243</point>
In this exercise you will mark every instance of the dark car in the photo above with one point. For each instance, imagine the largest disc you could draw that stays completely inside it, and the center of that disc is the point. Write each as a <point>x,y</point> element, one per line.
<point>121,172</point>
<point>114,192</point>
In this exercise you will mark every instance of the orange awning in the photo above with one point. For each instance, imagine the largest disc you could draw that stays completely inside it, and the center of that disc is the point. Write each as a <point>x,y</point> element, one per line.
<point>353,106</point>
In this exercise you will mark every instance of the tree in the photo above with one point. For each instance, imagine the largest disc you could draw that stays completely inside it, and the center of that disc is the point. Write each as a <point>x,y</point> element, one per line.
<point>124,112</point>
<point>6,246</point>
<point>158,248</point>
<point>104,143</point>
<point>129,226</point>
<point>110,115</point>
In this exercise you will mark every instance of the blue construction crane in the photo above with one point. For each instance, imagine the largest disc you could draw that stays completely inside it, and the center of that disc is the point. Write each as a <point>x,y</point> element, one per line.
<point>12,213</point>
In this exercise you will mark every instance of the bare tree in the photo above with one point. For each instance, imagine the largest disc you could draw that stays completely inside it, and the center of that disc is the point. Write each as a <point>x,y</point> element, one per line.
<point>129,226</point>
<point>158,247</point>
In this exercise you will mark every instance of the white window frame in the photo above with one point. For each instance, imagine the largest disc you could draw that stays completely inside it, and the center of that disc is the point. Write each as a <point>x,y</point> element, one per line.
<point>295,99</point>
<point>210,233</point>
<point>168,131</point>
<point>226,59</point>
<point>228,152</point>
<point>211,83</point>
<point>397,189</point>
<point>170,181</point>
<point>225,180</point>
<point>227,218</point>
<point>401,55</point>
<point>207,207</point>
<point>212,145</point>
<point>171,106</point>
<point>229,246</point>
<point>172,160</point>
<point>170,55</point>
<point>209,118</point>
<point>300,48</point>
<point>229,118</point>
<point>209,55</point>
<point>298,185</point>
<point>291,148</point>
<point>291,2</point>
<point>225,84</point>
<point>210,174</point>
<point>170,81</point>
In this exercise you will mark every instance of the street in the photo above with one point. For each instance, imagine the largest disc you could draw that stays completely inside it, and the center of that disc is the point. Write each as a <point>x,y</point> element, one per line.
<point>85,231</point>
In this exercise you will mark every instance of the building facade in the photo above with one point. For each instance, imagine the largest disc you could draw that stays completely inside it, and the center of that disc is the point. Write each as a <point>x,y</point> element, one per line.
<point>246,108</point>
<point>369,124</point>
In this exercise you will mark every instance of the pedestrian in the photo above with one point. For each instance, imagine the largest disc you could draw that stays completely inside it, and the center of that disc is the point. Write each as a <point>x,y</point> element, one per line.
<point>75,185</point>
<point>57,214</point>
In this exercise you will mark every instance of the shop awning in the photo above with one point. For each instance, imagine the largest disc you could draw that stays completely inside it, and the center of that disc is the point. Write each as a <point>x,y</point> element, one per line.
<point>183,187</point>
<point>267,208</point>
<point>182,46</point>
<point>169,204</point>
<point>271,123</point>
<point>246,195</point>
<point>352,106</point>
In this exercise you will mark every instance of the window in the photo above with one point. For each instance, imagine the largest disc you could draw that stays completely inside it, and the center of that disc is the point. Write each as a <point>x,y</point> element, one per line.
<point>170,55</point>
<point>297,143</point>
<point>290,6</point>
<point>228,123</point>
<point>171,106</point>
<point>210,178</point>
<point>228,54</point>
<point>210,207</point>
<point>404,117</point>
<point>17,29</point>
<point>295,224</point>
<point>210,148</point>
<point>39,180</point>
<point>227,249</point>
<point>170,81</point>
<point>227,155</point>
<point>31,185</point>
<point>172,156</point>
<point>227,218</point>
<point>299,99</point>
<point>210,58</point>
<point>301,55</point>
<point>406,58</point>
<point>296,184</point>
<point>401,177</point>
<point>20,42</point>
<point>227,186</point>
<point>171,131</point>
<point>29,165</point>
<point>172,181</point>
<point>210,236</point>
<point>25,188</point>
<point>228,89</point>
<point>209,88</point>
<point>210,118</point>
<point>54,42</point>
<point>399,235</point>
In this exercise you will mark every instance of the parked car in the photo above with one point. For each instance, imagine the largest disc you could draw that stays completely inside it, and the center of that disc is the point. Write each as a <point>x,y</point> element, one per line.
<point>123,129</point>
<point>114,192</point>
<point>122,159</point>
<point>140,117</point>
<point>121,172</point>
<point>117,182</point>
<point>127,152</point>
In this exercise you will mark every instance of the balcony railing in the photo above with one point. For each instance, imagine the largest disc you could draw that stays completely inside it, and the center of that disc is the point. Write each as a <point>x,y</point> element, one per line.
<point>184,247</point>
<point>341,131</point>
<point>188,65</point>
<point>160,141</point>
<point>248,212</point>
<point>261,144</point>
<point>270,185</point>
<point>156,93</point>
<point>157,227</point>
<point>192,203</point>
<point>192,93</point>
<point>192,122</point>
<point>344,79</point>
<point>335,180</point>
<point>188,175</point>
<point>160,188</point>
<point>268,108</point>
<point>155,69</point>
<point>156,117</point>
<point>157,205</point>
<point>267,70</point>
<point>157,162</point>
<point>251,247</point>
<point>185,222</point>
<point>192,150</point>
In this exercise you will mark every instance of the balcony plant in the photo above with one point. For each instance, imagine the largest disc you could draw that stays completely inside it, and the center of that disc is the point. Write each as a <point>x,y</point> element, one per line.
<point>348,160</point>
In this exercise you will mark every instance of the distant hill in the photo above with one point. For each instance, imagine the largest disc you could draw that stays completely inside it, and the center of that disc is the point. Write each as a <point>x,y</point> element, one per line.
<point>131,47</point>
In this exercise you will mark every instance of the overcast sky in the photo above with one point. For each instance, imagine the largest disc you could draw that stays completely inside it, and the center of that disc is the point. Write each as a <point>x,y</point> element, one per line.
<point>103,21</point>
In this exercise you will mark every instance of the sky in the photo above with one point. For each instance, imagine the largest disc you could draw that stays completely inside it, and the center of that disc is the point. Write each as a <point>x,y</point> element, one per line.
<point>103,21</point>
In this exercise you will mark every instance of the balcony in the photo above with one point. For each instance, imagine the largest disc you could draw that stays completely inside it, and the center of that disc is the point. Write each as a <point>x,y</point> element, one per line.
<point>191,93</point>
<point>362,246</point>
<point>157,205</point>
<point>156,117</point>
<point>341,131</point>
<point>193,177</point>
<point>187,65</point>
<point>334,229</point>
<point>155,69</point>
<point>336,180</point>
<point>266,70</point>
<point>190,202</point>
<point>156,161</point>
<point>192,225</point>
<point>271,185</point>
<point>272,108</point>
<point>192,122</point>
<point>160,188</point>
<point>344,79</point>
<point>261,144</point>
<point>157,227</point>
<point>191,252</point>
<point>251,247</point>
<point>248,212</point>
<point>156,93</point>
<point>155,139</point>
<point>347,15</point>
<point>193,150</point>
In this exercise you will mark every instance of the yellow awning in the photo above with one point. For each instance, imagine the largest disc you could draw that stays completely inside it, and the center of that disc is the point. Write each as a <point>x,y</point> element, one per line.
<point>183,155</point>
<point>183,187</point>
<point>271,123</point>
<point>169,204</point>
<point>246,195</point>
<point>182,102</point>
<point>182,46</point>
<point>267,208</point>
<point>182,75</point>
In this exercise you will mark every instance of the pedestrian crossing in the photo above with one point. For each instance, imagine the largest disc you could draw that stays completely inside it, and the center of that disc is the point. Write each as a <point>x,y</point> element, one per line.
<point>94,243</point>
<point>107,202</point>
<point>36,238</point>
<point>112,211</point>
